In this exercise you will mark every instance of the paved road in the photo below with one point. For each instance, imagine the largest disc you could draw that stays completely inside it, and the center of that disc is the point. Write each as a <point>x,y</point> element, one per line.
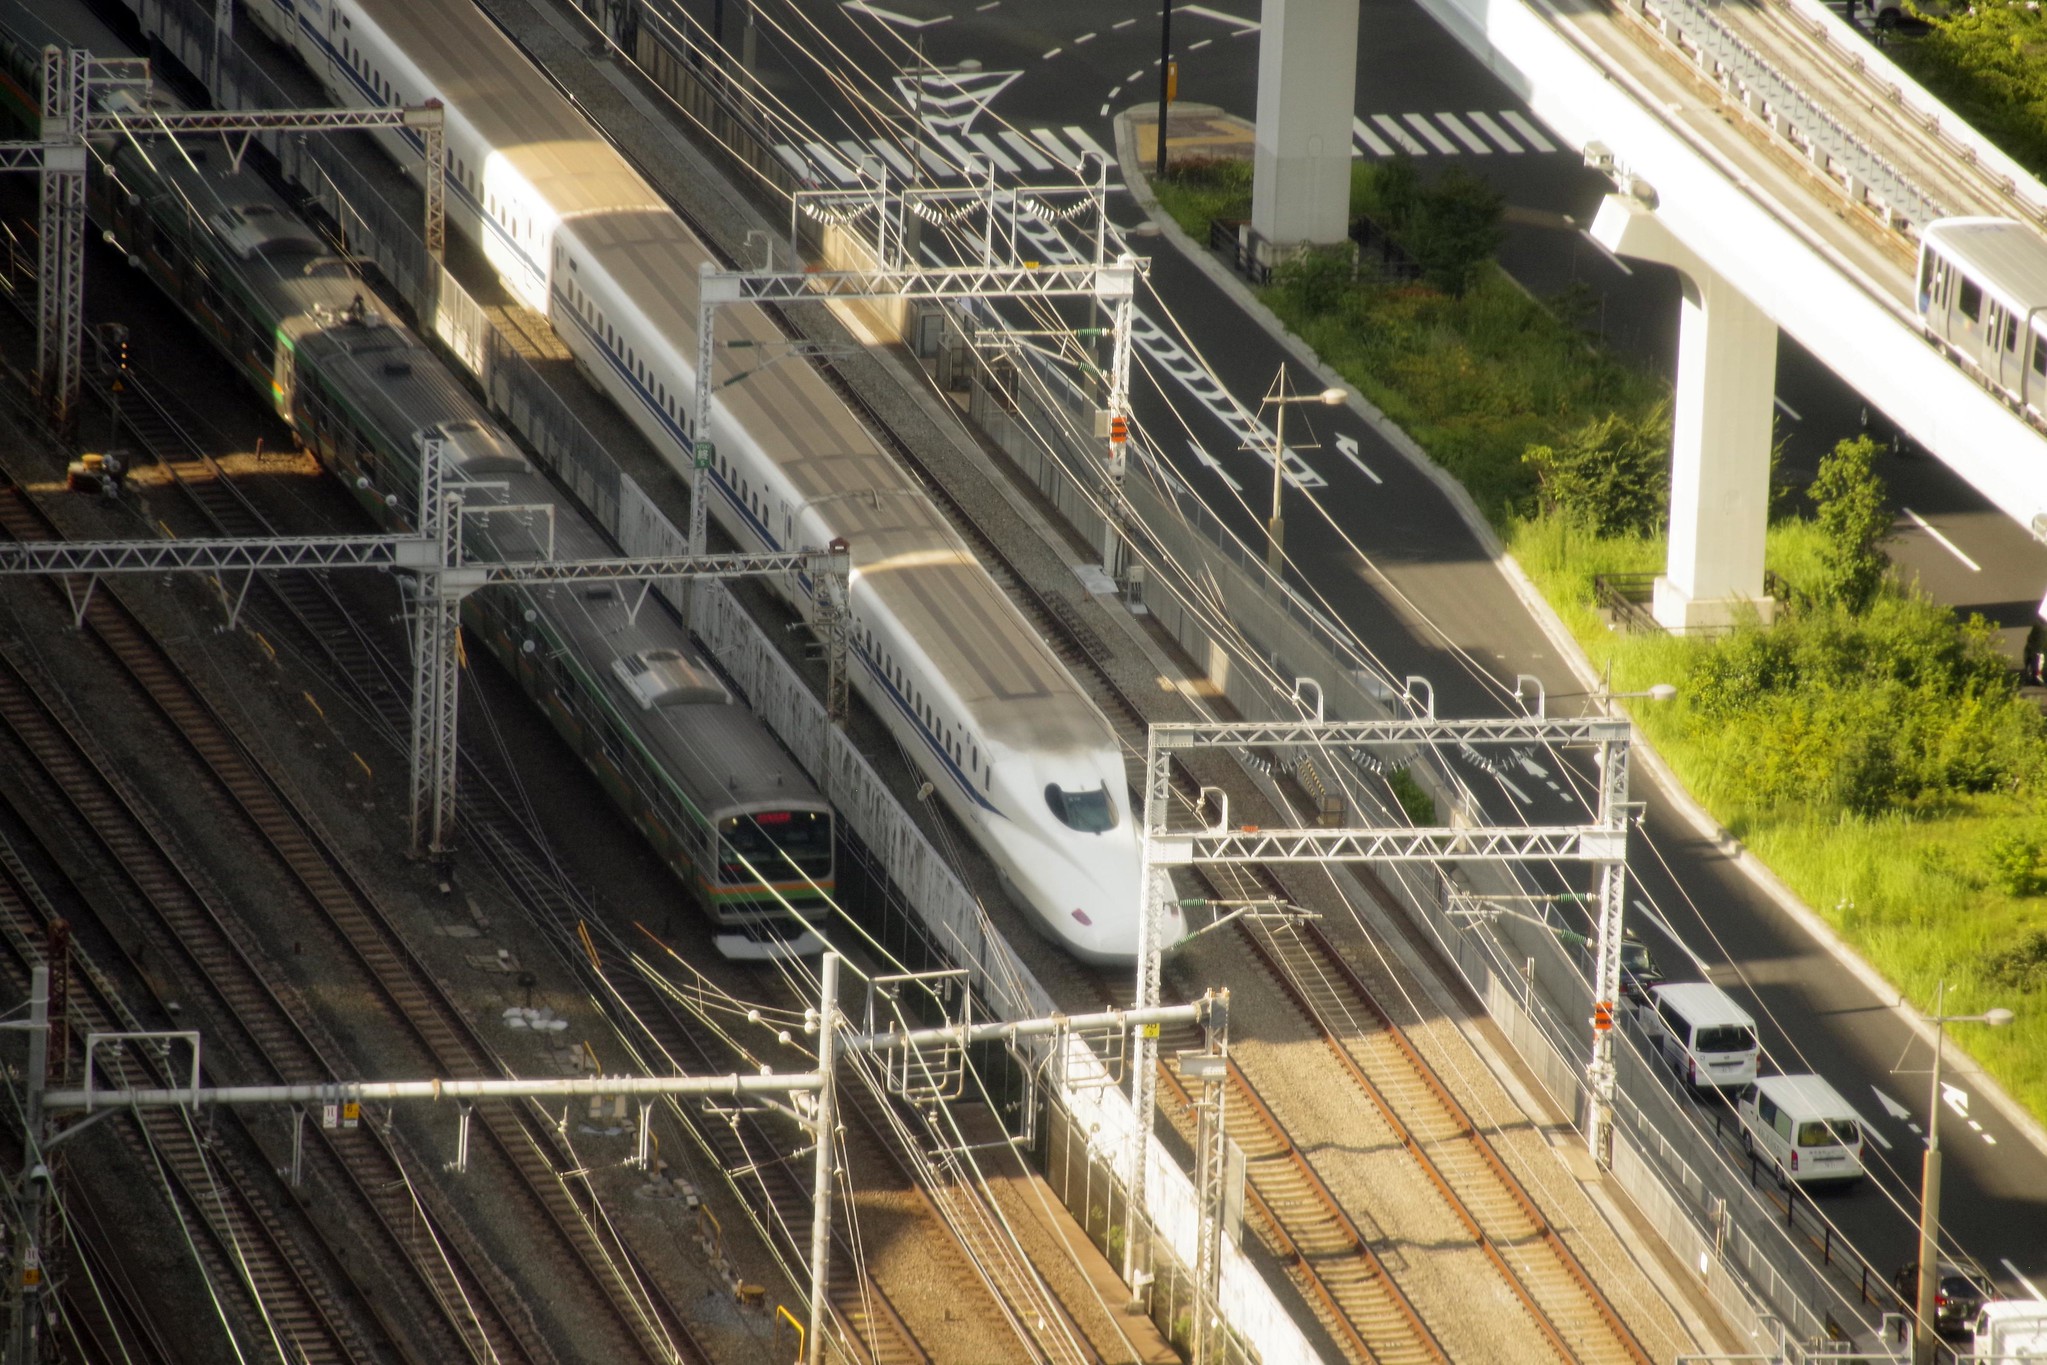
<point>1420,591</point>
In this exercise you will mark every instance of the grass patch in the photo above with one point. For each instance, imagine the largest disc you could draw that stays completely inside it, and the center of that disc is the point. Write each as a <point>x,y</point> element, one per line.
<point>1880,762</point>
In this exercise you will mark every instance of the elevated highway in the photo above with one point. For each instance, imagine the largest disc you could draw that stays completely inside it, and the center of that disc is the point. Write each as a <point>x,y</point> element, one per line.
<point>1785,167</point>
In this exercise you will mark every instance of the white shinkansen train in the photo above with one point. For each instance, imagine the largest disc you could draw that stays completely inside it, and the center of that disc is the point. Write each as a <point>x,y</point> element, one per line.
<point>996,724</point>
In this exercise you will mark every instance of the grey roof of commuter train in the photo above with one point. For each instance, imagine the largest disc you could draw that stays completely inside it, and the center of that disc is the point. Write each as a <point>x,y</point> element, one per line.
<point>1018,691</point>
<point>524,119</point>
<point>2006,256</point>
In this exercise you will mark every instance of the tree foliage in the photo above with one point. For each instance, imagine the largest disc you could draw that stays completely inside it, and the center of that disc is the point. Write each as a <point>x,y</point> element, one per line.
<point>1989,64</point>
<point>1454,228</point>
<point>1612,474</point>
<point>1849,501</point>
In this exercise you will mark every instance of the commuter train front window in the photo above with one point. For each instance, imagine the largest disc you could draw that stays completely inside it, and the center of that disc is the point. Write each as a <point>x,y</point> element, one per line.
<point>1090,812</point>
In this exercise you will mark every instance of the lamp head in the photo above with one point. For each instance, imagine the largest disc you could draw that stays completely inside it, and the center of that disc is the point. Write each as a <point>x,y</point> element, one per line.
<point>1998,1018</point>
<point>1332,397</point>
<point>1661,692</point>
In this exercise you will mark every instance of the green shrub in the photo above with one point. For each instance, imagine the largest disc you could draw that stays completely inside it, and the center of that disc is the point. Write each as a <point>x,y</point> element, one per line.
<point>1612,474</point>
<point>2022,967</point>
<point>1454,228</point>
<point>2014,861</point>
<point>1849,503</point>
<point>1317,280</point>
<point>1417,803</point>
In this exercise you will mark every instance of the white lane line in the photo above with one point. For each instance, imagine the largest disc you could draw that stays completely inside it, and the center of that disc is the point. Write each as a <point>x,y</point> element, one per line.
<point>1087,144</point>
<point>1375,144</point>
<point>824,156</point>
<point>1400,136</point>
<point>1122,24</point>
<point>1641,907</point>
<point>994,153</point>
<point>1103,112</point>
<point>1083,38</point>
<point>1133,75</point>
<point>1923,524</point>
<point>898,163</point>
<point>2031,1288</point>
<point>1241,25</point>
<point>1603,250</point>
<point>1061,153</point>
<point>1348,446</point>
<point>1050,55</point>
<point>1872,1130</point>
<point>1523,797</point>
<point>983,9</point>
<point>1463,134</point>
<point>1209,461</point>
<point>1495,132</point>
<point>889,16</point>
<point>1788,410</point>
<point>1528,131</point>
<point>1024,148</point>
<point>1196,47</point>
<point>1428,130</point>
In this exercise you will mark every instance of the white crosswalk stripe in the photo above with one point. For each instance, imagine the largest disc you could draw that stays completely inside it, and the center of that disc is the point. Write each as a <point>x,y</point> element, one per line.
<point>1473,132</point>
<point>1038,156</point>
<point>1528,131</point>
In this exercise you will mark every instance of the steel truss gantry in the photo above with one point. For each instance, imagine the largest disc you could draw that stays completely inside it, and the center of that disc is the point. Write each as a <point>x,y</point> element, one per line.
<point>817,1116</point>
<point>1602,842</point>
<point>72,81</point>
<point>443,576</point>
<point>1112,283</point>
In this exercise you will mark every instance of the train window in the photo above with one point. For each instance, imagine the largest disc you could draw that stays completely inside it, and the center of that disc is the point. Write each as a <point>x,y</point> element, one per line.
<point>2011,332</point>
<point>1972,300</point>
<point>1090,812</point>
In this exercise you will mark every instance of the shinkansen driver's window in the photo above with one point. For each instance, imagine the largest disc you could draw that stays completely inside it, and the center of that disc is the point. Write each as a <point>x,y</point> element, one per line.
<point>1090,812</point>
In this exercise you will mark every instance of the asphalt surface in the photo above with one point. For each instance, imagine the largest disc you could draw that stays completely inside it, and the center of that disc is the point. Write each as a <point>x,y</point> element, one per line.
<point>1418,588</point>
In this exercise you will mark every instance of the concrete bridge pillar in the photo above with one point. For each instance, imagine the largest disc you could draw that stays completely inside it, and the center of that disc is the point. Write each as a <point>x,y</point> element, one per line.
<point>1307,97</point>
<point>1721,429</point>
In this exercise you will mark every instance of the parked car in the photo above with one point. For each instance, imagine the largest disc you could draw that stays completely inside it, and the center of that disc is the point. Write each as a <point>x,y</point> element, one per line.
<point>1639,971</point>
<point>1958,1294</point>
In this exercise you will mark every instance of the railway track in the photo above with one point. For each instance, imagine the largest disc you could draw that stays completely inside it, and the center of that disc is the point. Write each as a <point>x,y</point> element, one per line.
<point>415,1004</point>
<point>871,1327</point>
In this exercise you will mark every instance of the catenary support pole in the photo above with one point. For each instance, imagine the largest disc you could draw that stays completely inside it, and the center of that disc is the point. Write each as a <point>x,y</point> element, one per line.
<point>821,1195</point>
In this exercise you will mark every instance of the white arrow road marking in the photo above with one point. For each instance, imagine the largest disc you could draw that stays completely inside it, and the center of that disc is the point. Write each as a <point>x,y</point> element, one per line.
<point>1872,1129</point>
<point>1209,461</point>
<point>1519,795</point>
<point>2031,1288</point>
<point>889,16</point>
<point>1530,766</point>
<point>1891,1106</point>
<point>1956,1098</point>
<point>1349,446</point>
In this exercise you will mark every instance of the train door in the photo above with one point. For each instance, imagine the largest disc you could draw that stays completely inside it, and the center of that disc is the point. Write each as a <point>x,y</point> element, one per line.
<point>1937,295</point>
<point>1965,324</point>
<point>2033,378</point>
<point>2001,346</point>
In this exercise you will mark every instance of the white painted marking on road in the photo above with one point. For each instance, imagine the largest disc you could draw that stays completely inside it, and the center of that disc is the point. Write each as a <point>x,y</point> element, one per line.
<point>1050,55</point>
<point>1374,144</point>
<point>1530,766</point>
<point>1122,24</point>
<point>938,165</point>
<point>1975,1127</point>
<point>889,16</point>
<point>994,153</point>
<point>1241,25</point>
<point>824,156</point>
<point>961,157</point>
<point>1086,145</point>
<point>1348,445</point>
<point>1788,410</point>
<point>1209,461</point>
<point>1463,134</point>
<point>1428,130</point>
<point>1955,1098</point>
<point>1523,797</point>
<point>1643,909</point>
<point>1872,1130</point>
<point>1103,112</point>
<point>1891,1106</point>
<point>1401,137</point>
<point>1083,38</point>
<point>1528,131</point>
<point>1618,263</point>
<point>983,9</point>
<point>856,153</point>
<point>2016,1274</point>
<point>1495,132</point>
<point>793,159</point>
<point>1061,153</point>
<point>896,160</point>
<point>1196,47</point>
<point>1989,1139</point>
<point>1946,544</point>
<point>1114,91</point>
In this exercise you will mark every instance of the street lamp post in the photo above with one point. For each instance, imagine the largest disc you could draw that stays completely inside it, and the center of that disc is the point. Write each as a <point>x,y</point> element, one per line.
<point>1275,529</point>
<point>1924,1338</point>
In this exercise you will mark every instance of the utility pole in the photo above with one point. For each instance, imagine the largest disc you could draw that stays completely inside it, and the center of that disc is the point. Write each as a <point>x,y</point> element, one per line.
<point>821,1188</point>
<point>1166,78</point>
<point>34,1184</point>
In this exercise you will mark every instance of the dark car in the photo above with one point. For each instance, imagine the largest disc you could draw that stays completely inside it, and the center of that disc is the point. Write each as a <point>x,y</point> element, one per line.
<point>1639,971</point>
<point>1957,1294</point>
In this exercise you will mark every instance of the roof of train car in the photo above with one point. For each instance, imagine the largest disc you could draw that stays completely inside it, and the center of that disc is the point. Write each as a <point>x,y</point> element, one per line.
<point>1020,693</point>
<point>706,750</point>
<point>2006,255</point>
<point>512,107</point>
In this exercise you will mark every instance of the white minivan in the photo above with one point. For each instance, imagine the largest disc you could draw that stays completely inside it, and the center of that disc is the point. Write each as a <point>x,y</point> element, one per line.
<point>1808,1132</point>
<point>1708,1039</point>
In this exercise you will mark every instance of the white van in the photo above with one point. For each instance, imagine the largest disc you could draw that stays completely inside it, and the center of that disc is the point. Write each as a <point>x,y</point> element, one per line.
<point>2011,1329</point>
<point>1808,1132</point>
<point>1708,1039</point>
